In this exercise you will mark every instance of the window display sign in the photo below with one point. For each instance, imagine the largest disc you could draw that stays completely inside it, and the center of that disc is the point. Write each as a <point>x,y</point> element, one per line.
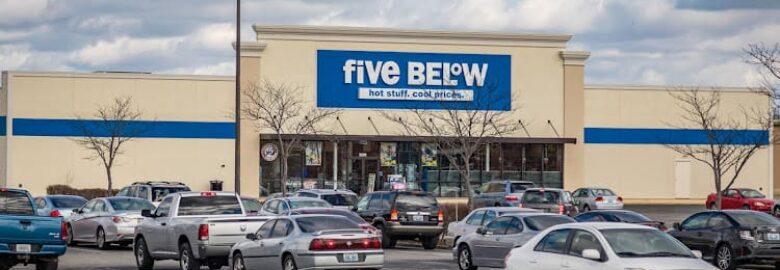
<point>429,155</point>
<point>313,153</point>
<point>269,152</point>
<point>404,80</point>
<point>387,154</point>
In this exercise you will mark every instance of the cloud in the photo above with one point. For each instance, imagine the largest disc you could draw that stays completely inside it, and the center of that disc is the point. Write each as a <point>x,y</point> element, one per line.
<point>650,76</point>
<point>110,52</point>
<point>216,36</point>
<point>16,11</point>
<point>108,22</point>
<point>18,34</point>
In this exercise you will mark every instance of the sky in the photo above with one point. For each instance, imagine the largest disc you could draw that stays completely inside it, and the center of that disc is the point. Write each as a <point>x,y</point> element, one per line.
<point>684,42</point>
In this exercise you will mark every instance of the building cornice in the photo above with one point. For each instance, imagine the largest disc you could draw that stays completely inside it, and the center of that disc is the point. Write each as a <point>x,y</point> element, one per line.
<point>109,75</point>
<point>574,58</point>
<point>408,36</point>
<point>251,49</point>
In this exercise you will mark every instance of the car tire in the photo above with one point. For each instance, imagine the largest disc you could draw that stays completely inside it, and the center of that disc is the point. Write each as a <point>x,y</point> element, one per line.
<point>429,242</point>
<point>187,260</point>
<point>100,239</point>
<point>387,240</point>
<point>776,211</point>
<point>710,206</point>
<point>746,207</point>
<point>464,258</point>
<point>724,258</point>
<point>288,263</point>
<point>69,239</point>
<point>586,208</point>
<point>215,264</point>
<point>238,262</point>
<point>48,264</point>
<point>143,259</point>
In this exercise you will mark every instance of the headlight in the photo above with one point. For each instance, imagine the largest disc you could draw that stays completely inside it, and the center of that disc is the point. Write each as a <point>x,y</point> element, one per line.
<point>760,204</point>
<point>746,235</point>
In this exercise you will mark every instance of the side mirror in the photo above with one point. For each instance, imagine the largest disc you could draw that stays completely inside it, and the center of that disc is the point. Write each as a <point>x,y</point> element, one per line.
<point>477,192</point>
<point>696,253</point>
<point>481,230</point>
<point>252,237</point>
<point>147,213</point>
<point>591,254</point>
<point>676,226</point>
<point>77,211</point>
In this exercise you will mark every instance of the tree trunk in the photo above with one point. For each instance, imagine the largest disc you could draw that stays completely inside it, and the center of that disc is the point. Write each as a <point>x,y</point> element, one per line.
<point>284,173</point>
<point>468,184</point>
<point>718,191</point>
<point>110,182</point>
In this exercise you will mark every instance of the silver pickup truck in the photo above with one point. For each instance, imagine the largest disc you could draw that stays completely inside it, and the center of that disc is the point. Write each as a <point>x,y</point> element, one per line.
<point>195,228</point>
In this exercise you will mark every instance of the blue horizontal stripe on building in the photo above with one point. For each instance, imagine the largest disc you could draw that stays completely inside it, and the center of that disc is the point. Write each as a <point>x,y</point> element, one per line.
<point>2,125</point>
<point>151,129</point>
<point>671,136</point>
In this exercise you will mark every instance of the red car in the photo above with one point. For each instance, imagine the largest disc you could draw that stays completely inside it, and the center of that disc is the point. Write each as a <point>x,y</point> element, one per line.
<point>742,198</point>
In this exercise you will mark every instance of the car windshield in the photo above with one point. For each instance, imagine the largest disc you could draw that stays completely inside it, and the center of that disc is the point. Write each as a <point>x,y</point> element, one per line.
<point>158,193</point>
<point>324,223</point>
<point>129,204</point>
<point>309,204</point>
<point>209,205</point>
<point>634,243</point>
<point>538,223</point>
<point>347,214</point>
<point>631,217</point>
<point>340,199</point>
<point>251,205</point>
<point>15,203</point>
<point>521,186</point>
<point>67,202</point>
<point>750,218</point>
<point>602,192</point>
<point>750,193</point>
<point>541,197</point>
<point>416,202</point>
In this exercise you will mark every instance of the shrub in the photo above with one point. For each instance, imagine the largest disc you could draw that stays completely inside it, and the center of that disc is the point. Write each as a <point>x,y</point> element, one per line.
<point>89,193</point>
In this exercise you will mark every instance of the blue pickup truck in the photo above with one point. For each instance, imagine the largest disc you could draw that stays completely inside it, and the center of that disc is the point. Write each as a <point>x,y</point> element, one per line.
<point>26,237</point>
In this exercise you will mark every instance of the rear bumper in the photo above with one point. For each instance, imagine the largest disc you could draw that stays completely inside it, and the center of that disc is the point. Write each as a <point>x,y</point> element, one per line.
<point>397,229</point>
<point>333,260</point>
<point>124,234</point>
<point>44,251</point>
<point>758,252</point>
<point>608,206</point>
<point>209,251</point>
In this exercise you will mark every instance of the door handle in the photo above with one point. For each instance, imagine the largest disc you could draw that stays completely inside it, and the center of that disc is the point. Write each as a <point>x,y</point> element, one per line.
<point>533,261</point>
<point>163,224</point>
<point>25,222</point>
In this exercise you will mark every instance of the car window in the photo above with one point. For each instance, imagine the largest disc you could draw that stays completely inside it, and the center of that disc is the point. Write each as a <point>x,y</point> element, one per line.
<point>40,203</point>
<point>567,197</point>
<point>489,216</point>
<point>281,229</point>
<point>602,192</point>
<point>515,226</point>
<point>323,223</point>
<point>577,193</point>
<point>593,217</point>
<point>159,193</point>
<point>753,218</point>
<point>484,188</point>
<point>100,207</point>
<point>554,242</point>
<point>515,187</point>
<point>718,222</point>
<point>375,202</point>
<point>751,193</point>
<point>730,193</point>
<point>416,202</point>
<point>340,199</point>
<point>542,222</point>
<point>209,206</point>
<point>362,205</point>
<point>306,194</point>
<point>541,197</point>
<point>630,217</point>
<point>143,192</point>
<point>496,187</point>
<point>696,222</point>
<point>265,230</point>
<point>282,207</point>
<point>251,205</point>
<point>133,191</point>
<point>164,209</point>
<point>15,203</point>
<point>582,240</point>
<point>499,226</point>
<point>129,204</point>
<point>647,243</point>
<point>67,202</point>
<point>476,218</point>
<point>89,207</point>
<point>271,206</point>
<point>123,192</point>
<point>296,204</point>
<point>387,201</point>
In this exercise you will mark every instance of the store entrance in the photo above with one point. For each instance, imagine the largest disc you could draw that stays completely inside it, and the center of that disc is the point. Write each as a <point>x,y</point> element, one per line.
<point>364,176</point>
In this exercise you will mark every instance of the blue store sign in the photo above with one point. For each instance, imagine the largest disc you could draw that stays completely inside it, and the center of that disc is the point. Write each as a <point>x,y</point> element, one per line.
<point>400,80</point>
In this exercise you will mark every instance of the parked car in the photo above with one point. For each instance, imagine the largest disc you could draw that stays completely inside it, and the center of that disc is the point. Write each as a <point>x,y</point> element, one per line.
<point>592,198</point>
<point>58,205</point>
<point>603,245</point>
<point>488,246</point>
<point>308,242</point>
<point>195,228</point>
<point>252,206</point>
<point>342,198</point>
<point>476,219</point>
<point>283,205</point>
<point>624,216</point>
<point>403,215</point>
<point>338,212</point>
<point>26,237</point>
<point>742,198</point>
<point>106,221</point>
<point>154,191</point>
<point>549,200</point>
<point>501,193</point>
<point>730,238</point>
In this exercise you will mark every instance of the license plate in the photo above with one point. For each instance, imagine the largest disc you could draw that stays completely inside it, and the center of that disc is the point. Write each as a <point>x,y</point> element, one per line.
<point>23,248</point>
<point>418,218</point>
<point>773,236</point>
<point>351,257</point>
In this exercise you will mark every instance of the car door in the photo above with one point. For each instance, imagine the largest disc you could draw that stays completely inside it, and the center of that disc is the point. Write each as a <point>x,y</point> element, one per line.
<point>91,221</point>
<point>709,237</point>
<point>270,208</point>
<point>374,205</point>
<point>253,254</point>
<point>79,220</point>
<point>550,252</point>
<point>690,231</point>
<point>730,199</point>
<point>485,246</point>
<point>506,242</point>
<point>471,224</point>
<point>160,242</point>
<point>580,241</point>
<point>362,206</point>
<point>271,247</point>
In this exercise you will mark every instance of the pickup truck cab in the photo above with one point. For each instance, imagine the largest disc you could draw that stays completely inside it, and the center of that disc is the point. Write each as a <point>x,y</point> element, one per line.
<point>26,237</point>
<point>195,228</point>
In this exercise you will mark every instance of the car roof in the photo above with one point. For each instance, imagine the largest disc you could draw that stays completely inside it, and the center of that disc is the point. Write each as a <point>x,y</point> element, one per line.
<point>15,189</point>
<point>199,193</point>
<point>545,189</point>
<point>531,214</point>
<point>301,199</point>
<point>595,188</point>
<point>602,226</point>
<point>158,183</point>
<point>311,215</point>
<point>321,209</point>
<point>63,196</point>
<point>507,208</point>
<point>328,191</point>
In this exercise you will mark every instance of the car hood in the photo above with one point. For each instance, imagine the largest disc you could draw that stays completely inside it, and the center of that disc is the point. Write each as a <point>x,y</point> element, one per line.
<point>666,263</point>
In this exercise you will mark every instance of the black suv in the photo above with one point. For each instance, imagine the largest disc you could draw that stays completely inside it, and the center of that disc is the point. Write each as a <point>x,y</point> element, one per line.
<point>403,215</point>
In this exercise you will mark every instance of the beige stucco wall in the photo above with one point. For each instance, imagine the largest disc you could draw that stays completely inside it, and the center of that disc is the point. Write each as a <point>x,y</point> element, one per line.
<point>36,162</point>
<point>650,170</point>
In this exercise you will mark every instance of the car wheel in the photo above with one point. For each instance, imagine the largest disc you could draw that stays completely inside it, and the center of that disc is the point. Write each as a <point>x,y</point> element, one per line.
<point>586,208</point>
<point>777,211</point>
<point>49,264</point>
<point>69,239</point>
<point>214,264</point>
<point>100,239</point>
<point>429,242</point>
<point>289,263</point>
<point>387,240</point>
<point>187,260</point>
<point>238,262</point>
<point>464,258</point>
<point>746,207</point>
<point>724,258</point>
<point>710,206</point>
<point>142,258</point>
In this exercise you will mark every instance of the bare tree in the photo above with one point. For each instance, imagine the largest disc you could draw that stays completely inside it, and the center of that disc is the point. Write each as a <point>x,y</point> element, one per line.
<point>112,126</point>
<point>460,130</point>
<point>768,59</point>
<point>731,140</point>
<point>280,109</point>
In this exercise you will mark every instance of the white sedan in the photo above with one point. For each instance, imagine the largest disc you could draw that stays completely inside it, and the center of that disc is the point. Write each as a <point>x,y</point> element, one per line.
<point>607,246</point>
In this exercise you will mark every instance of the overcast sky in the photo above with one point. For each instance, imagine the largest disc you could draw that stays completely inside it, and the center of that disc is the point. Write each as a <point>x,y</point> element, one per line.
<point>694,42</point>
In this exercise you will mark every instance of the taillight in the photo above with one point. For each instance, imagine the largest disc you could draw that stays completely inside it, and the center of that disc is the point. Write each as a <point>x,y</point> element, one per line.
<point>441,217</point>
<point>203,232</point>
<point>520,205</point>
<point>208,194</point>
<point>63,231</point>
<point>599,199</point>
<point>560,209</point>
<point>620,199</point>
<point>333,244</point>
<point>117,219</point>
<point>55,213</point>
<point>393,215</point>
<point>511,198</point>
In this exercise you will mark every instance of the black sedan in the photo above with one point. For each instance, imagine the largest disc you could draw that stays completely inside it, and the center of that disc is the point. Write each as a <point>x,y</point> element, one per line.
<point>729,238</point>
<point>624,216</point>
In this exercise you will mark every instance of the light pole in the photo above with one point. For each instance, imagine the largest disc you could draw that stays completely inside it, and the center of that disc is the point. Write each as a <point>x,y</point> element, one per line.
<point>237,158</point>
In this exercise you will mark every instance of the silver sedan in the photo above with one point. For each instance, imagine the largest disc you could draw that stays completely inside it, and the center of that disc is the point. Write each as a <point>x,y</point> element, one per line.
<point>104,221</point>
<point>476,219</point>
<point>308,242</point>
<point>490,244</point>
<point>595,198</point>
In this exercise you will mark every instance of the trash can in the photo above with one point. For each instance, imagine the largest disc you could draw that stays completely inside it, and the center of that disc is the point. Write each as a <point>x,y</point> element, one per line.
<point>216,185</point>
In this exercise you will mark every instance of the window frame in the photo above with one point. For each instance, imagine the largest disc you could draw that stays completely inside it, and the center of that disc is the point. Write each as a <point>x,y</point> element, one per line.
<point>165,205</point>
<point>540,247</point>
<point>473,214</point>
<point>706,216</point>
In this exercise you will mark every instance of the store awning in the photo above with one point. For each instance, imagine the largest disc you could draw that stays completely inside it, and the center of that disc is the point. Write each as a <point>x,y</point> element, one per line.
<point>398,138</point>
